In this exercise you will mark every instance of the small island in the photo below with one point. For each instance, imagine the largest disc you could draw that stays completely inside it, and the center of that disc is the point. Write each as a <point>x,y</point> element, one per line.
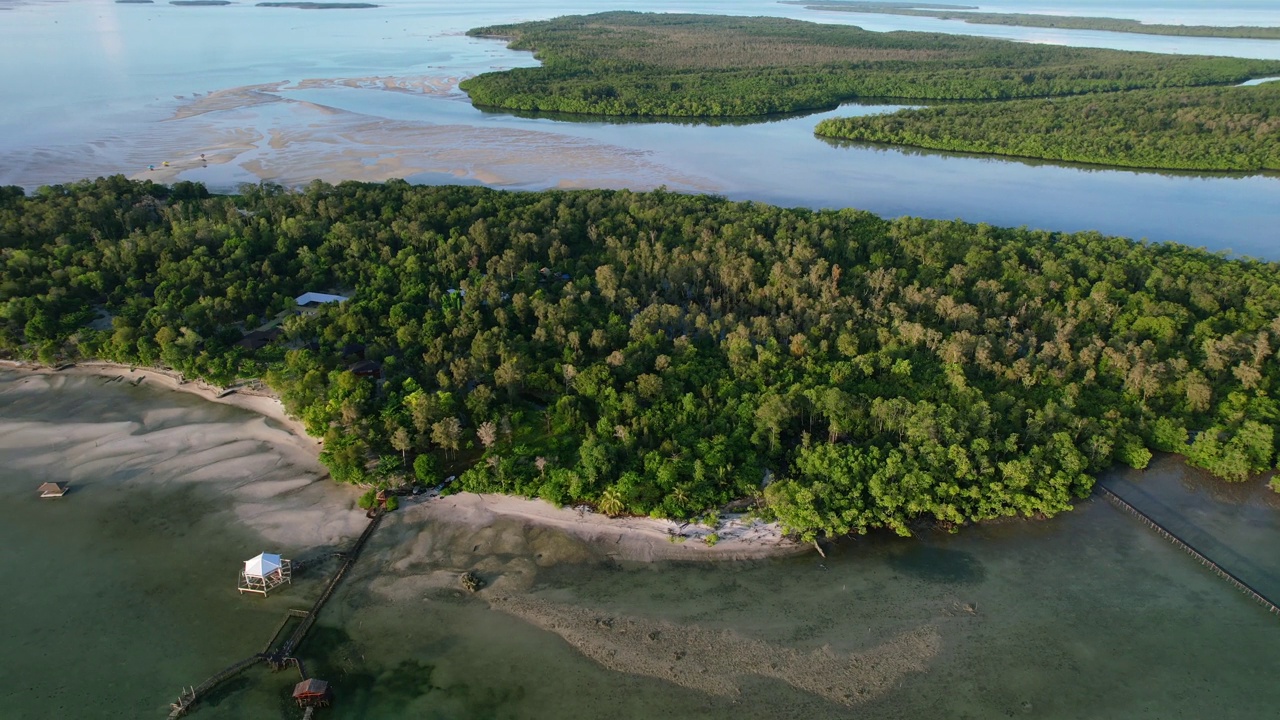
<point>1219,129</point>
<point>665,355</point>
<point>135,2</point>
<point>318,5</point>
<point>200,3</point>
<point>703,66</point>
<point>964,13</point>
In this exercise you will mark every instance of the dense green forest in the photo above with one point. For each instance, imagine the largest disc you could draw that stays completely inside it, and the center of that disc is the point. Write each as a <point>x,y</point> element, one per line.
<point>1067,22</point>
<point>1235,128</point>
<point>656,353</point>
<point>636,64</point>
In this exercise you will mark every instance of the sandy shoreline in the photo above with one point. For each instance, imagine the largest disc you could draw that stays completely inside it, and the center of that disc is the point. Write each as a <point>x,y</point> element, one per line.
<point>263,404</point>
<point>634,539</point>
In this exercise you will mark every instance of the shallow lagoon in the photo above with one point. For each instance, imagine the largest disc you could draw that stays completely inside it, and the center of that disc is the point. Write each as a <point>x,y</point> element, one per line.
<point>130,595</point>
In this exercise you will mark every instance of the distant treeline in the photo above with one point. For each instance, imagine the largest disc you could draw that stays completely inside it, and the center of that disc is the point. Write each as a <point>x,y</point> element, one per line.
<point>1065,22</point>
<point>637,64</point>
<point>655,354</point>
<point>296,5</point>
<point>1235,128</point>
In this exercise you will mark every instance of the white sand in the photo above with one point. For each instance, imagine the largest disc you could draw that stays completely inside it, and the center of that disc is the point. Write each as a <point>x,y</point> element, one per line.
<point>296,508</point>
<point>642,539</point>
<point>265,466</point>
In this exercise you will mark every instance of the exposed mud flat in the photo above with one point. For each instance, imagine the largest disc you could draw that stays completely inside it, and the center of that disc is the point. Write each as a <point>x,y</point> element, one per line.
<point>711,661</point>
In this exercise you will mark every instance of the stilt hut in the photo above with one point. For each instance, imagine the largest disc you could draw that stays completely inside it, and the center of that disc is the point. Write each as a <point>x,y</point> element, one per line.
<point>53,490</point>
<point>264,573</point>
<point>312,693</point>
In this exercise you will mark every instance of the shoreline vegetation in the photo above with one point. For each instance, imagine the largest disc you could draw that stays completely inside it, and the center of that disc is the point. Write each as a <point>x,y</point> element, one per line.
<point>966,14</point>
<point>640,539</point>
<point>295,5</point>
<point>1214,129</point>
<point>663,355</point>
<point>673,65</point>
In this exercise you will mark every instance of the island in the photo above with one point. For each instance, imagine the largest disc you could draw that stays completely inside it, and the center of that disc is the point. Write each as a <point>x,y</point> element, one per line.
<point>660,65</point>
<point>965,13</point>
<point>1219,129</point>
<point>318,5</point>
<point>659,354</point>
<point>200,3</point>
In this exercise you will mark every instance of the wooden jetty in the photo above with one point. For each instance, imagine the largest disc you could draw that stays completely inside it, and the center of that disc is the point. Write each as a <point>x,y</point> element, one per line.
<point>291,645</point>
<point>1186,547</point>
<point>284,656</point>
<point>189,696</point>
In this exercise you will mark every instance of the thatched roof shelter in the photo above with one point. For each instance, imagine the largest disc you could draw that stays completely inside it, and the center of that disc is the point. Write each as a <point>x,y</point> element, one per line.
<point>367,368</point>
<point>259,339</point>
<point>52,489</point>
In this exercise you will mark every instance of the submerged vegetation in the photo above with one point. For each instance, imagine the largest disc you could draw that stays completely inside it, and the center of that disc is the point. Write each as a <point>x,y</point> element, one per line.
<point>655,353</point>
<point>1063,22</point>
<point>1235,128</point>
<point>635,64</point>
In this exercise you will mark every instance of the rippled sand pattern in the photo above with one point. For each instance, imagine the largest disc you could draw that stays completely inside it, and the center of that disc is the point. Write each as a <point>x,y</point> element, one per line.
<point>711,661</point>
<point>259,133</point>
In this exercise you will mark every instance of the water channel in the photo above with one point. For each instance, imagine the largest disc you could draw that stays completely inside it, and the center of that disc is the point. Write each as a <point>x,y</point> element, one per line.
<point>108,88</point>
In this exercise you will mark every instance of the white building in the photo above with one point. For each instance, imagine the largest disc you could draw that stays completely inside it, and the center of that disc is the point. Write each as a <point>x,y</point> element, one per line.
<point>312,299</point>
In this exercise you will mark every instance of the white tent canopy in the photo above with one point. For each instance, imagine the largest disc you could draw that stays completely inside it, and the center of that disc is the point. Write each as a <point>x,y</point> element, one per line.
<point>262,566</point>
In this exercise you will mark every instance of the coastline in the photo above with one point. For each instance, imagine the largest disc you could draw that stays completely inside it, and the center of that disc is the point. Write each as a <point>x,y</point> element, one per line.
<point>639,539</point>
<point>265,404</point>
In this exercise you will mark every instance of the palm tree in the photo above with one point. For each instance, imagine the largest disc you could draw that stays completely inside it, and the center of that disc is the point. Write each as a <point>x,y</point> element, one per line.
<point>611,502</point>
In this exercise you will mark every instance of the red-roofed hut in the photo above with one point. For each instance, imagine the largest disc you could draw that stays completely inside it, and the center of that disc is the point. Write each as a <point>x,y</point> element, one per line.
<point>312,692</point>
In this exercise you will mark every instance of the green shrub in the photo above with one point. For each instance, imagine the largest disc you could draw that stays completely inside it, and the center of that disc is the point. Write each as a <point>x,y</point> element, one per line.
<point>426,470</point>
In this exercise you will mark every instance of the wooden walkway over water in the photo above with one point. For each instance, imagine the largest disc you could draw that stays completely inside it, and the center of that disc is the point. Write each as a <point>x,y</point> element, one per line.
<point>284,655</point>
<point>1186,547</point>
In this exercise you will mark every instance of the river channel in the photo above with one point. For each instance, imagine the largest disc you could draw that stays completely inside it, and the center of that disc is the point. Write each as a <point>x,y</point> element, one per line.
<point>289,96</point>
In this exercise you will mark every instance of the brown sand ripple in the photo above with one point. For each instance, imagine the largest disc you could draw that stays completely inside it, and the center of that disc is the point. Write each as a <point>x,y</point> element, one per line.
<point>711,661</point>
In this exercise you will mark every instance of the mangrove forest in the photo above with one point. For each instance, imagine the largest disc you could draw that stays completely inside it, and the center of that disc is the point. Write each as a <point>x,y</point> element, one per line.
<point>660,354</point>
<point>1236,128</point>
<point>659,65</point>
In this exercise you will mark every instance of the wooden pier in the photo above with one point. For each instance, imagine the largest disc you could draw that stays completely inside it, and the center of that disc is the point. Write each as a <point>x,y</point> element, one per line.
<point>189,696</point>
<point>1186,547</point>
<point>284,656</point>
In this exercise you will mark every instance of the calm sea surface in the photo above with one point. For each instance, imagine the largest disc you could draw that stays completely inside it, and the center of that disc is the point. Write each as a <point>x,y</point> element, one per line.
<point>93,87</point>
<point>122,592</point>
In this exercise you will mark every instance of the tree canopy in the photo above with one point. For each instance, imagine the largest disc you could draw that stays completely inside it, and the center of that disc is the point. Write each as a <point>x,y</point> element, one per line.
<point>656,353</point>
<point>671,65</point>
<point>966,14</point>
<point>1236,128</point>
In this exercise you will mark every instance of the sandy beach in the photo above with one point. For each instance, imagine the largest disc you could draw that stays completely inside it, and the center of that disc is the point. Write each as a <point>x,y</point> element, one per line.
<point>628,538</point>
<point>264,470</point>
<point>293,522</point>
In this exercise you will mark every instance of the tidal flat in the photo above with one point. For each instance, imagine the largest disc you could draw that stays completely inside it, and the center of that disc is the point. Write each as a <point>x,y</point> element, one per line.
<point>123,591</point>
<point>263,95</point>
